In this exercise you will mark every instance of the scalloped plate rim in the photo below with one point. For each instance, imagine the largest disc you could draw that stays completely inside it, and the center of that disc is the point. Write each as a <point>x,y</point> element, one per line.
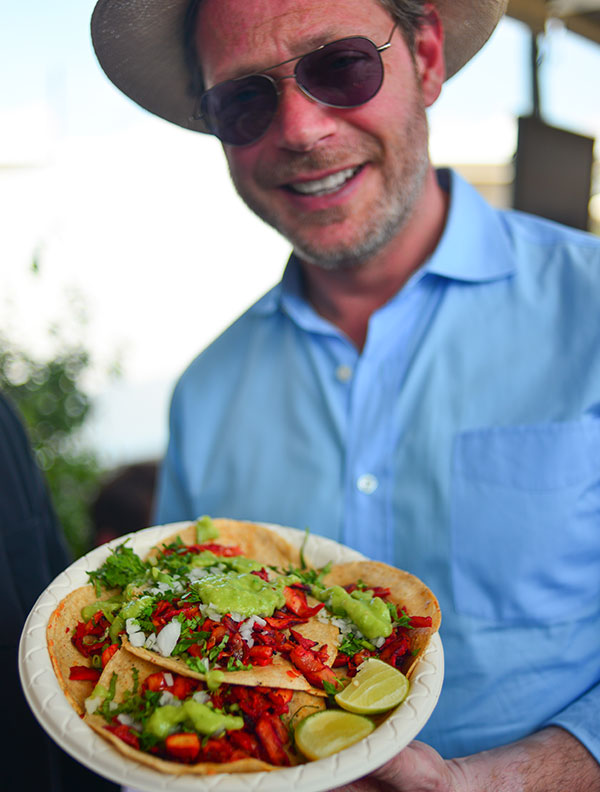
<point>62,723</point>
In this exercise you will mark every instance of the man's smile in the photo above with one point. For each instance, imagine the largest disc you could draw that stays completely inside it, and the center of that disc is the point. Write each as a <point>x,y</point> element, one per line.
<point>325,185</point>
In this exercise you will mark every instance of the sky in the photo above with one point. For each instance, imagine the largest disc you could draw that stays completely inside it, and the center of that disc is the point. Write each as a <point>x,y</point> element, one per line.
<point>134,221</point>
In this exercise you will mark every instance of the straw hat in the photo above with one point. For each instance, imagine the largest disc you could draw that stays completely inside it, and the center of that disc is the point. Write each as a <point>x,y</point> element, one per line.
<point>140,46</point>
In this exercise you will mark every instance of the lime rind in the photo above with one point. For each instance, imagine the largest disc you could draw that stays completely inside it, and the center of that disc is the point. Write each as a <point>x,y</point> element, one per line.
<point>330,731</point>
<point>376,688</point>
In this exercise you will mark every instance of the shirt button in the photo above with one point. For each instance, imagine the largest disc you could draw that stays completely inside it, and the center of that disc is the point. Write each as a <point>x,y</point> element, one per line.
<point>367,483</point>
<point>343,373</point>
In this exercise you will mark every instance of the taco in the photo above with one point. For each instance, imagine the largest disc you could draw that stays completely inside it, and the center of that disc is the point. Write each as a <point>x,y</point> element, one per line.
<point>197,604</point>
<point>180,725</point>
<point>78,646</point>
<point>381,612</point>
<point>161,594</point>
<point>251,540</point>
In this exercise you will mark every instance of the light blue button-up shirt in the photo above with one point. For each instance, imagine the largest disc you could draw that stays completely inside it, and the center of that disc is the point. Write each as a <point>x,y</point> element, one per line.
<point>461,444</point>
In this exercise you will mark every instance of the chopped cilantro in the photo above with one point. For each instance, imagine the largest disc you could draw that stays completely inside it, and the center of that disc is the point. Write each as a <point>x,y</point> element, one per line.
<point>105,708</point>
<point>120,569</point>
<point>353,644</point>
<point>216,650</point>
<point>198,664</point>
<point>331,688</point>
<point>310,577</point>
<point>399,617</point>
<point>234,664</point>
<point>303,564</point>
<point>190,638</point>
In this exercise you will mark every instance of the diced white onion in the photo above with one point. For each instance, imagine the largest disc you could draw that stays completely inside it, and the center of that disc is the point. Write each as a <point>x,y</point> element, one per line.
<point>150,641</point>
<point>201,696</point>
<point>125,719</point>
<point>212,612</point>
<point>92,704</point>
<point>137,639</point>
<point>168,637</point>
<point>132,626</point>
<point>168,698</point>
<point>246,628</point>
<point>168,679</point>
<point>196,573</point>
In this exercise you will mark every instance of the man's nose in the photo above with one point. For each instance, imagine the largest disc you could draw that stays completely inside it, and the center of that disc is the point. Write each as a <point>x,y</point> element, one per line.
<point>301,122</point>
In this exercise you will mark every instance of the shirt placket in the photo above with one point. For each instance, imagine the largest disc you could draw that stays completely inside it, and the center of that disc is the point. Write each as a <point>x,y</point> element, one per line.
<point>375,423</point>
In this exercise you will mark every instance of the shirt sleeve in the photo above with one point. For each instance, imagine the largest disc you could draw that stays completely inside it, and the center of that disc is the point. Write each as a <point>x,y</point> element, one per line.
<point>581,719</point>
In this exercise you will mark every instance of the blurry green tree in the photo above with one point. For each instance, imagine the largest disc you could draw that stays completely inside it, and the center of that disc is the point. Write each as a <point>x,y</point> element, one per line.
<point>51,397</point>
<point>54,406</point>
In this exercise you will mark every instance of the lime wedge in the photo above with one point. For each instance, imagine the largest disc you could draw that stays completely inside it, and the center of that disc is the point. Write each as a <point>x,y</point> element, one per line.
<point>330,731</point>
<point>377,687</point>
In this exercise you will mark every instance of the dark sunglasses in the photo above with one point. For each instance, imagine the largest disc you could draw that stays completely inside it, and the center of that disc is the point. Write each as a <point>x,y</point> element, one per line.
<point>345,73</point>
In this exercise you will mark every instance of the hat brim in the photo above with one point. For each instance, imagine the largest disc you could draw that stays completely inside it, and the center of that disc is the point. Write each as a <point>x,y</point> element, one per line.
<point>140,46</point>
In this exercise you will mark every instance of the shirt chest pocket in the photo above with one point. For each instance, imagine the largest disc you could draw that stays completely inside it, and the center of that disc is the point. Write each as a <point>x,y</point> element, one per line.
<point>525,521</point>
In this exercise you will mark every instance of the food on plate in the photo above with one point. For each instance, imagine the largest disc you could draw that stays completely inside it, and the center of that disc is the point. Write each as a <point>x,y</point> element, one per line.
<point>229,613</point>
<point>325,733</point>
<point>182,725</point>
<point>413,610</point>
<point>79,642</point>
<point>377,687</point>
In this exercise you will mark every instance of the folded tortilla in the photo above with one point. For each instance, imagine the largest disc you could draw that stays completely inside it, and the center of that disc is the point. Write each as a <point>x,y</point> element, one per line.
<point>280,673</point>
<point>123,664</point>
<point>63,654</point>
<point>406,590</point>
<point>255,541</point>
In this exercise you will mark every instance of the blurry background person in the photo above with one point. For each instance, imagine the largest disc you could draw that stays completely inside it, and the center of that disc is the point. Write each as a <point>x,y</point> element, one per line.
<point>124,502</point>
<point>32,553</point>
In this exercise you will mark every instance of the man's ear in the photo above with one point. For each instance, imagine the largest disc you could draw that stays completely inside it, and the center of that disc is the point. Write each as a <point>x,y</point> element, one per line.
<point>429,55</point>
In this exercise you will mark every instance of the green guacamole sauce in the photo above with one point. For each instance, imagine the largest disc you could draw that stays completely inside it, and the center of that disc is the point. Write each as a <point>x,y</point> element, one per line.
<point>204,719</point>
<point>205,529</point>
<point>241,593</point>
<point>108,608</point>
<point>238,563</point>
<point>371,615</point>
<point>129,611</point>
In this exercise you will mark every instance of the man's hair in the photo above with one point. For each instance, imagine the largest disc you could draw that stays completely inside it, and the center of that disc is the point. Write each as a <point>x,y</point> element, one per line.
<point>408,14</point>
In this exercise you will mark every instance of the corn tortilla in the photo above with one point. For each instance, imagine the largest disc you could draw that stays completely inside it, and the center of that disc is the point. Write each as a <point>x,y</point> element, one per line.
<point>406,590</point>
<point>255,541</point>
<point>63,654</point>
<point>123,664</point>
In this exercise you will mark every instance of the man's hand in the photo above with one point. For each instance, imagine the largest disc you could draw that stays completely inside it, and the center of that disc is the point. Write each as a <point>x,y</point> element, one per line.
<point>550,761</point>
<point>418,768</point>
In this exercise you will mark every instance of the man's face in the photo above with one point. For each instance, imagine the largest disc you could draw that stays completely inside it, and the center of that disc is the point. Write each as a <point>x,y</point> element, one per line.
<point>338,183</point>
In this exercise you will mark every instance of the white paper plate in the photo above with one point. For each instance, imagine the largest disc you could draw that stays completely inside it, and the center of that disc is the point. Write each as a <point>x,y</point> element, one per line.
<point>62,723</point>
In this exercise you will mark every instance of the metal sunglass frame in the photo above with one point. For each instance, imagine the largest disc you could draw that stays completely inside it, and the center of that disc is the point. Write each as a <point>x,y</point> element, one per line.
<point>199,116</point>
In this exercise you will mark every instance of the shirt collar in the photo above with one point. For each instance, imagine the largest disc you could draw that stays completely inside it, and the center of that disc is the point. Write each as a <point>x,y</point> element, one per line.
<point>474,247</point>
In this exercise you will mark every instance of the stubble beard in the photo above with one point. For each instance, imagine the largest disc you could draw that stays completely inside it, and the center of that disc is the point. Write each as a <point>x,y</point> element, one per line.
<point>389,213</point>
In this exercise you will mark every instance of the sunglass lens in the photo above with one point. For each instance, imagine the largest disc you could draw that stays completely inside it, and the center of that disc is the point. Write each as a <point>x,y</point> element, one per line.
<point>238,112</point>
<point>345,73</point>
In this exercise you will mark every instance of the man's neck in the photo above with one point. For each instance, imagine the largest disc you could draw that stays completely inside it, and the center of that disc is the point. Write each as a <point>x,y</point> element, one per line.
<point>349,297</point>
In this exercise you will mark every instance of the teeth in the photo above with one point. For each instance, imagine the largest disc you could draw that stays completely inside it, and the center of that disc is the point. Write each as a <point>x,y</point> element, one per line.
<point>326,185</point>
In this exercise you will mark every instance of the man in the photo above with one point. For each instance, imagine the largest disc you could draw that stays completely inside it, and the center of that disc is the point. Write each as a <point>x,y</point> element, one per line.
<point>424,384</point>
<point>32,553</point>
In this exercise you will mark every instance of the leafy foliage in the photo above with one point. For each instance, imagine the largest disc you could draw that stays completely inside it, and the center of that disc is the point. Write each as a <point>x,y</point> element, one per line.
<point>54,406</point>
<point>49,393</point>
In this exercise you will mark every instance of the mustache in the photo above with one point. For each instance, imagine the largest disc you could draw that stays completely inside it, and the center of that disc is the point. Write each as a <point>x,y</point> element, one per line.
<point>294,164</point>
